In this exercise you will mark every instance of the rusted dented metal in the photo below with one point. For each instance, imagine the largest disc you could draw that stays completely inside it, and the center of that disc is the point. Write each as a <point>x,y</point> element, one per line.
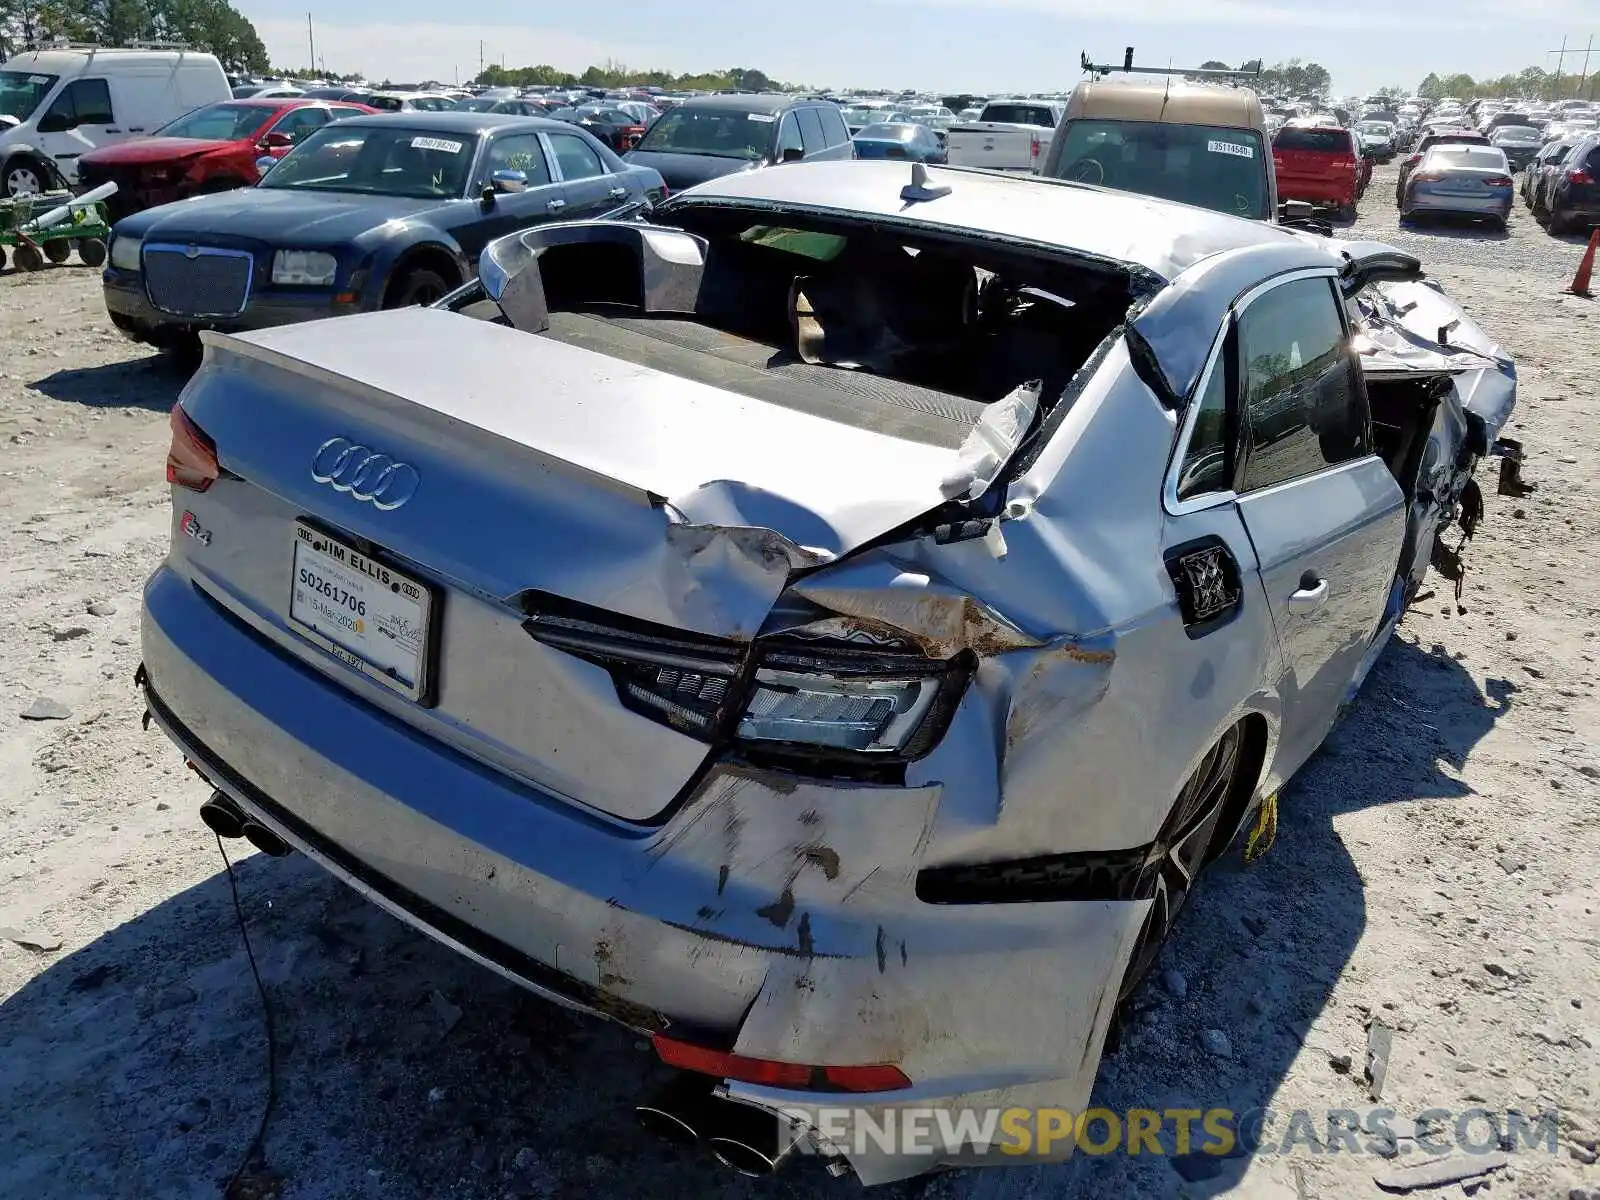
<point>941,620</point>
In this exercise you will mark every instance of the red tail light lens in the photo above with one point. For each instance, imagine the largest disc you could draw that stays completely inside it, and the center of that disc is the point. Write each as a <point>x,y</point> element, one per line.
<point>1498,181</point>
<point>686,1056</point>
<point>1426,177</point>
<point>192,456</point>
<point>1035,147</point>
<point>1581,176</point>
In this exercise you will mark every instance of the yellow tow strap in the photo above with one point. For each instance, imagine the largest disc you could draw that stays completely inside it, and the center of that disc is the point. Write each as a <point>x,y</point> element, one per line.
<point>1265,831</point>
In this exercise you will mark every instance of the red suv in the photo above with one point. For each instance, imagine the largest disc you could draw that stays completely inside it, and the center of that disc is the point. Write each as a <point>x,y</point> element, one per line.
<point>1319,164</point>
<point>211,149</point>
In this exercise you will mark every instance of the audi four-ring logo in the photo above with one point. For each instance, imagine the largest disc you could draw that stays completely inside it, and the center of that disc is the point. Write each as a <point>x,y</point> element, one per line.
<point>364,473</point>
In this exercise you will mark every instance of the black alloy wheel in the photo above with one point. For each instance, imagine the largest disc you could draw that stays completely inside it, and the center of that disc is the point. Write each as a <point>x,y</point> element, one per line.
<point>1185,845</point>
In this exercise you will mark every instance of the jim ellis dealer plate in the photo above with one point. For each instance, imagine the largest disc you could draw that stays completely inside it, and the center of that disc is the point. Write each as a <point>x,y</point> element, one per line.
<point>361,610</point>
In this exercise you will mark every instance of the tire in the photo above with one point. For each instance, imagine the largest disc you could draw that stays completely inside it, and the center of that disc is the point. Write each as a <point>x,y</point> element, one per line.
<point>58,251</point>
<point>184,348</point>
<point>24,177</point>
<point>416,286</point>
<point>26,258</point>
<point>92,251</point>
<point>1557,225</point>
<point>1192,836</point>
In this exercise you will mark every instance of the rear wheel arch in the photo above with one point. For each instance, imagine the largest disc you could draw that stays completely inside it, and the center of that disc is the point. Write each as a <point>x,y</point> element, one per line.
<point>1257,738</point>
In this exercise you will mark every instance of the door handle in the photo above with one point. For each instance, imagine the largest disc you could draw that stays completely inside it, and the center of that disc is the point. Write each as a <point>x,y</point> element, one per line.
<point>618,193</point>
<point>109,130</point>
<point>132,129</point>
<point>556,205</point>
<point>1313,594</point>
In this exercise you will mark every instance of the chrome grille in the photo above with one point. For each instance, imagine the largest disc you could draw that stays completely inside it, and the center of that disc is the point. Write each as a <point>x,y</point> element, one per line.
<point>197,281</point>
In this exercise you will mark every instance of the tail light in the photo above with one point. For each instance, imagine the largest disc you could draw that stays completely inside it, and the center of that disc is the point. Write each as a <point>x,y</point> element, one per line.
<point>1581,176</point>
<point>1035,147</point>
<point>686,1056</point>
<point>1426,177</point>
<point>192,455</point>
<point>1498,181</point>
<point>798,703</point>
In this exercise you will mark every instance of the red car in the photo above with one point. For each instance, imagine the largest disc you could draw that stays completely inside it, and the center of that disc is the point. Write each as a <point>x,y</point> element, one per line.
<point>1318,164</point>
<point>212,149</point>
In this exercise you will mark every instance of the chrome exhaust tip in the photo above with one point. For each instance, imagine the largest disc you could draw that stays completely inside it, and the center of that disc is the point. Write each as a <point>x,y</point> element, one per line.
<point>755,1142</point>
<point>746,1160</point>
<point>222,816</point>
<point>264,840</point>
<point>677,1112</point>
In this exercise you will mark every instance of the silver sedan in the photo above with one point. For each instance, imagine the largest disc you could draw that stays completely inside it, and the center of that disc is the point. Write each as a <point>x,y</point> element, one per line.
<point>829,628</point>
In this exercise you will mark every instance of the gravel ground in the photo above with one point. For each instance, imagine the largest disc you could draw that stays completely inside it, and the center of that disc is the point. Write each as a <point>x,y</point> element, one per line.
<point>1434,869</point>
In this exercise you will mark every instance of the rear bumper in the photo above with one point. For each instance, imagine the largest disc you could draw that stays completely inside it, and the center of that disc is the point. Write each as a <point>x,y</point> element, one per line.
<point>1423,200</point>
<point>777,917</point>
<point>1314,191</point>
<point>132,312</point>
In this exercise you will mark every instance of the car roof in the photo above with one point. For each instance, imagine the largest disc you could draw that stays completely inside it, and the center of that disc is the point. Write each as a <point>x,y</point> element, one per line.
<point>745,102</point>
<point>453,121</point>
<point>1161,237</point>
<point>1167,102</point>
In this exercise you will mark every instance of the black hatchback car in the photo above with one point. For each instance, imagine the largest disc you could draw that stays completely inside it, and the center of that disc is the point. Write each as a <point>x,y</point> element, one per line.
<point>711,136</point>
<point>373,212</point>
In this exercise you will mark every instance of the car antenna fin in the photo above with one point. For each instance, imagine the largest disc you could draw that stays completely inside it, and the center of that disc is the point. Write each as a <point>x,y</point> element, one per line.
<point>919,189</point>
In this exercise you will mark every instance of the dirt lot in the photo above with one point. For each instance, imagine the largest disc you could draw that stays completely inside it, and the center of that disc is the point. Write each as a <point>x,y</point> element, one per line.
<point>1435,868</point>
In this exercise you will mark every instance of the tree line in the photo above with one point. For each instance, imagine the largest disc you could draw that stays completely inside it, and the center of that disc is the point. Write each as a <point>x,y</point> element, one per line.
<point>210,25</point>
<point>616,75</point>
<point>1530,83</point>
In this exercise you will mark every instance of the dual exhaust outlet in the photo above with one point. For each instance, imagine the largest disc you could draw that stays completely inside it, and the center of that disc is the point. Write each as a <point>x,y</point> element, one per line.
<point>751,1141</point>
<point>226,819</point>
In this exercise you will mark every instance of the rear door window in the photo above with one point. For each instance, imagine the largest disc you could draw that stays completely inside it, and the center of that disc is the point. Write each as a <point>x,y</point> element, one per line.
<point>576,157</point>
<point>833,125</point>
<point>811,130</point>
<point>1303,406</point>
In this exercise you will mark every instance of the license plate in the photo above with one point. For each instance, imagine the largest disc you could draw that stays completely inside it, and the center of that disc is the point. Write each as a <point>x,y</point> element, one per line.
<point>361,610</point>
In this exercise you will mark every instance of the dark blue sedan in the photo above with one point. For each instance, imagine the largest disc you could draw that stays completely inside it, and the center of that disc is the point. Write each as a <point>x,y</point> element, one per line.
<point>915,143</point>
<point>373,212</point>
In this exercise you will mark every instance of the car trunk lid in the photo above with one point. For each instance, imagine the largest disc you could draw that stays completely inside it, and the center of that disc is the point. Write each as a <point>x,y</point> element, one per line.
<point>532,475</point>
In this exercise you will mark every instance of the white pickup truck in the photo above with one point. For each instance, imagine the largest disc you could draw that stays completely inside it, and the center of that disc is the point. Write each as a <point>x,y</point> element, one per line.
<point>1009,135</point>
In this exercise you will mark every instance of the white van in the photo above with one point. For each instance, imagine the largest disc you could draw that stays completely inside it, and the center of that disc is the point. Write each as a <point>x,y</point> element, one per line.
<point>56,105</point>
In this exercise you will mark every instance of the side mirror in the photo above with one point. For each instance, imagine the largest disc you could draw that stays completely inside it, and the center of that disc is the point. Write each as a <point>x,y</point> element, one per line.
<point>1296,210</point>
<point>508,182</point>
<point>792,154</point>
<point>265,163</point>
<point>277,141</point>
<point>54,122</point>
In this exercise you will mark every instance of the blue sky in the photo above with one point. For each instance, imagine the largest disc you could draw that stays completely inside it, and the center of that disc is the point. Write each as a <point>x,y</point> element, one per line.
<point>954,45</point>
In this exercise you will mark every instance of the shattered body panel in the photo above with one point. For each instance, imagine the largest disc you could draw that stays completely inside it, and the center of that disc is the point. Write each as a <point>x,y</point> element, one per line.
<point>651,586</point>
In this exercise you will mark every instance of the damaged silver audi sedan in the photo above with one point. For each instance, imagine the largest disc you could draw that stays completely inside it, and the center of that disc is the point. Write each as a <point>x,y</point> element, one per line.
<point>827,627</point>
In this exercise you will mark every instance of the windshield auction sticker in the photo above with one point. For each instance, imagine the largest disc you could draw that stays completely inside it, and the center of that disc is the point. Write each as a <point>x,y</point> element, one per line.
<point>1233,148</point>
<point>428,143</point>
<point>764,118</point>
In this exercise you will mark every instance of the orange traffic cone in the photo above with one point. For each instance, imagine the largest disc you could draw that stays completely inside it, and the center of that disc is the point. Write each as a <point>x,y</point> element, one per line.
<point>1580,281</point>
